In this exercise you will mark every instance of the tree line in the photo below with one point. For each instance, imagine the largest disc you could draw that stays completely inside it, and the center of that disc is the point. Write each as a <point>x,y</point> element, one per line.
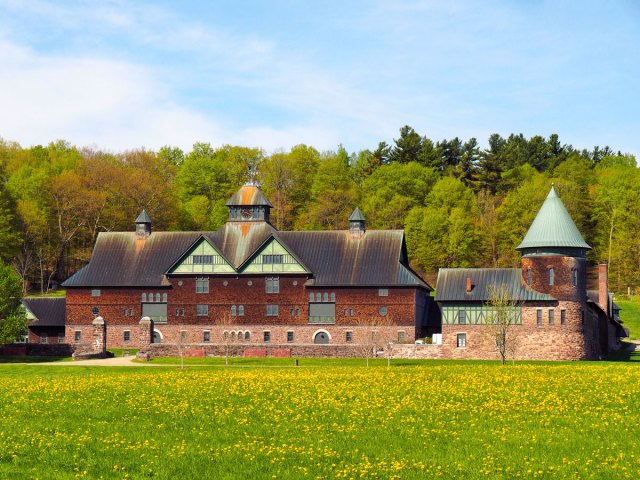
<point>460,205</point>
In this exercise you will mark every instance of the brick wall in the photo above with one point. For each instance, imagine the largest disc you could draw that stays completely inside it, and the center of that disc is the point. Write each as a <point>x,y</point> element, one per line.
<point>121,309</point>
<point>364,302</point>
<point>562,288</point>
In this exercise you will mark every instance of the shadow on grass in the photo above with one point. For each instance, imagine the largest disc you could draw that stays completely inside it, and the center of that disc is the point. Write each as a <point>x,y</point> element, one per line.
<point>30,359</point>
<point>630,352</point>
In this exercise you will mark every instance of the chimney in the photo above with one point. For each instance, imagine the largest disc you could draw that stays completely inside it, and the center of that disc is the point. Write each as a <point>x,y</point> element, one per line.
<point>603,287</point>
<point>469,285</point>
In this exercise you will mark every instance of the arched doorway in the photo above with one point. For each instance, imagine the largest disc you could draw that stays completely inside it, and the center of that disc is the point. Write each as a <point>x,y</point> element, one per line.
<point>157,337</point>
<point>321,338</point>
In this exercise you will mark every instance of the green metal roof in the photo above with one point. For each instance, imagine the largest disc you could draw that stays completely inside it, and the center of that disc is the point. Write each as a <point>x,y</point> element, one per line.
<point>143,217</point>
<point>356,216</point>
<point>553,227</point>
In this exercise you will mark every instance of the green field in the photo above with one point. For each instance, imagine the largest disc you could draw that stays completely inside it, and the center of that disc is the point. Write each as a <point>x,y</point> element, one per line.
<point>630,314</point>
<point>436,419</point>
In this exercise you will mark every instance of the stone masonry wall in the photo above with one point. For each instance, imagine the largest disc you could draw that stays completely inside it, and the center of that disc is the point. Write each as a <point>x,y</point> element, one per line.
<point>576,340</point>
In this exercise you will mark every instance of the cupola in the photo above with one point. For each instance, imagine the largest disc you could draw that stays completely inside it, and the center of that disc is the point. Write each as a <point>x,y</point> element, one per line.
<point>249,205</point>
<point>143,225</point>
<point>356,223</point>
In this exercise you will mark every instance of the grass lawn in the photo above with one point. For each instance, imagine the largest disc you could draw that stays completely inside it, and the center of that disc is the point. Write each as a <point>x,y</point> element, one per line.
<point>435,419</point>
<point>630,314</point>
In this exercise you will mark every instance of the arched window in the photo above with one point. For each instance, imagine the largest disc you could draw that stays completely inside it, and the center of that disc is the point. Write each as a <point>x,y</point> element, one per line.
<point>241,310</point>
<point>234,311</point>
<point>150,297</point>
<point>233,336</point>
<point>551,277</point>
<point>318,297</point>
<point>247,336</point>
<point>157,297</point>
<point>164,297</point>
<point>333,297</point>
<point>144,297</point>
<point>529,276</point>
<point>311,297</point>
<point>325,297</point>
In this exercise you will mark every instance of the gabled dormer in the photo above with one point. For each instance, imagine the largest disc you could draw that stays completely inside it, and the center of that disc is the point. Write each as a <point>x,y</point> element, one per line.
<point>249,205</point>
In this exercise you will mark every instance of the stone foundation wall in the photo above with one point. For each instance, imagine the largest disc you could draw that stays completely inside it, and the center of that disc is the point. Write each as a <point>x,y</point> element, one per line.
<point>278,334</point>
<point>271,350</point>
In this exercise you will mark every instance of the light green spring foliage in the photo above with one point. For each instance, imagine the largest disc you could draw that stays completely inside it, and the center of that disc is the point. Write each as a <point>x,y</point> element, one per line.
<point>12,322</point>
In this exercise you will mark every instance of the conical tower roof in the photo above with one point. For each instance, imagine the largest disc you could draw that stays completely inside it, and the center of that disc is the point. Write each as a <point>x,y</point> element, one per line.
<point>143,217</point>
<point>356,216</point>
<point>553,227</point>
<point>249,195</point>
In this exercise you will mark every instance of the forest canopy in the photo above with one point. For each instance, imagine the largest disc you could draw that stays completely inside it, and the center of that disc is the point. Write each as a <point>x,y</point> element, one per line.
<point>460,205</point>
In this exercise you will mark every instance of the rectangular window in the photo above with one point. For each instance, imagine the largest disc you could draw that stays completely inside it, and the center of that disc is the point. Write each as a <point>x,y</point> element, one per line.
<point>203,259</point>
<point>461,340</point>
<point>95,292</point>
<point>551,277</point>
<point>348,337</point>
<point>155,311</point>
<point>563,317</point>
<point>202,285</point>
<point>551,316</point>
<point>76,336</point>
<point>383,292</point>
<point>43,338</point>
<point>127,336</point>
<point>61,338</point>
<point>272,310</point>
<point>401,337</point>
<point>266,336</point>
<point>272,259</point>
<point>289,337</point>
<point>179,312</point>
<point>272,284</point>
<point>462,317</point>
<point>206,336</point>
<point>574,277</point>
<point>539,316</point>
<point>322,313</point>
<point>202,310</point>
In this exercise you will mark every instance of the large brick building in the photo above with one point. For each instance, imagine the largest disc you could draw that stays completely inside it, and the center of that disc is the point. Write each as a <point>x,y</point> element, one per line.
<point>247,282</point>
<point>557,317</point>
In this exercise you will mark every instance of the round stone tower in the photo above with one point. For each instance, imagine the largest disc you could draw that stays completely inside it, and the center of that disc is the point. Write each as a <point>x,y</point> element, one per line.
<point>554,253</point>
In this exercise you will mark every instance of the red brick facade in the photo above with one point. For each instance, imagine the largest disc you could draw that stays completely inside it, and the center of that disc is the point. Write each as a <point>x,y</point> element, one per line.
<point>122,309</point>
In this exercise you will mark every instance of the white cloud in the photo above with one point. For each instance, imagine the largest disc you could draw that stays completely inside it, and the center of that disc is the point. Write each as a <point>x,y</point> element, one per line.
<point>111,104</point>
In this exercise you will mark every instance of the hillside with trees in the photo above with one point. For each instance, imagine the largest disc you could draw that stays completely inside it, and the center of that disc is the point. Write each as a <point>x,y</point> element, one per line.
<point>460,205</point>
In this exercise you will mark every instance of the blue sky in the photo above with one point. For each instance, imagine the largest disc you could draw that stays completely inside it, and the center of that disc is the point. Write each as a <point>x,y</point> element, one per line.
<point>122,74</point>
